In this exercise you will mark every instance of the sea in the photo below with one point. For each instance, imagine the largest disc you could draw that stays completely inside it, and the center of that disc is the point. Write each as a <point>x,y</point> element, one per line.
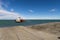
<point>11,23</point>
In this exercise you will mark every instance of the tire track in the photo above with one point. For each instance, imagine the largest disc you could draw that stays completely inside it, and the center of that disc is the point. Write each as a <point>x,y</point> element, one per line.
<point>22,33</point>
<point>30,33</point>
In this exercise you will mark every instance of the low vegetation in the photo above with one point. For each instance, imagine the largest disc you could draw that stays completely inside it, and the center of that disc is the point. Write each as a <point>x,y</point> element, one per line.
<point>48,27</point>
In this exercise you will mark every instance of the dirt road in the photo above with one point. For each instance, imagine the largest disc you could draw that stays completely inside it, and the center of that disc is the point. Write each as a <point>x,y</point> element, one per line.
<point>24,33</point>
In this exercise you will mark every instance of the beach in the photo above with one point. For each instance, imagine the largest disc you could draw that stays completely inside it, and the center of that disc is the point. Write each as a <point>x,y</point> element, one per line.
<point>53,27</point>
<point>30,33</point>
<point>29,19</point>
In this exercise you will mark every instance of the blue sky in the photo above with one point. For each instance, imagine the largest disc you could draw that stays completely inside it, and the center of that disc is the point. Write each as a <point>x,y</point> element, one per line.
<point>30,9</point>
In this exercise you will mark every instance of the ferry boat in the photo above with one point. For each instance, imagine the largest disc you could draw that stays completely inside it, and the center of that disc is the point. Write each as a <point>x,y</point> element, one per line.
<point>19,20</point>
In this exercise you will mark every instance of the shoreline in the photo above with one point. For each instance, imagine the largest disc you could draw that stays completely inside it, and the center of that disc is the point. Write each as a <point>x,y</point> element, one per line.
<point>48,23</point>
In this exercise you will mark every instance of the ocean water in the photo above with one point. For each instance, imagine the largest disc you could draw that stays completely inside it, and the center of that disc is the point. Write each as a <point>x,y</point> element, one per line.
<point>10,23</point>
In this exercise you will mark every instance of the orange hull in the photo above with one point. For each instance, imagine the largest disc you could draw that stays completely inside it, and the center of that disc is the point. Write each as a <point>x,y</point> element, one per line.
<point>21,20</point>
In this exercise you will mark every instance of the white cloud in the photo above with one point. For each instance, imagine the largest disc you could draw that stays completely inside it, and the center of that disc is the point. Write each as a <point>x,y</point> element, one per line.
<point>30,11</point>
<point>12,10</point>
<point>52,10</point>
<point>4,14</point>
<point>2,4</point>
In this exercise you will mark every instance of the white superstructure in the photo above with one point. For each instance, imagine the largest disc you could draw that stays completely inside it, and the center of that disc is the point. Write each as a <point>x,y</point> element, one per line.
<point>18,19</point>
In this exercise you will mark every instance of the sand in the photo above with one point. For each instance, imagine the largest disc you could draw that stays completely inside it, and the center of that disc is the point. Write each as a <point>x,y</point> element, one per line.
<point>25,33</point>
<point>52,28</point>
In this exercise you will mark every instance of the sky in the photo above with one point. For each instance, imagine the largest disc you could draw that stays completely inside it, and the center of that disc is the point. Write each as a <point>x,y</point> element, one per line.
<point>30,9</point>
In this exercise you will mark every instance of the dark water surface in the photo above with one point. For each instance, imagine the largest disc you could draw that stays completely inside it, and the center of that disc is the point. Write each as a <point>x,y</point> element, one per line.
<point>9,23</point>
